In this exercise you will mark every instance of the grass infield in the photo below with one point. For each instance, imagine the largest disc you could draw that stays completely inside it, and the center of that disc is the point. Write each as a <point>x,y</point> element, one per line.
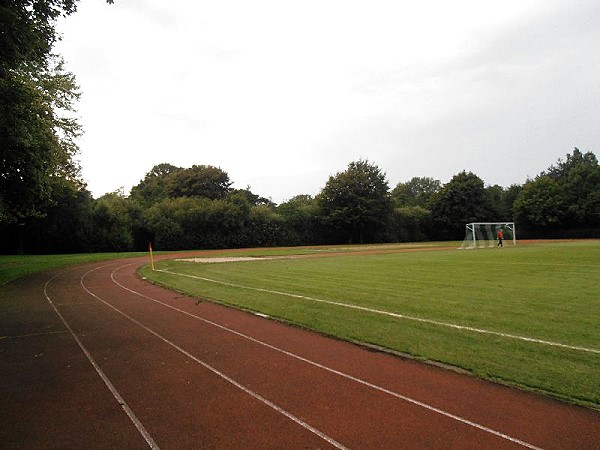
<point>526,315</point>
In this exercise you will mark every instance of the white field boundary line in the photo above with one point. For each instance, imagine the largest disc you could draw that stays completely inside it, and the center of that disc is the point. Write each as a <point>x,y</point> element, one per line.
<point>230,380</point>
<point>331,370</point>
<point>390,314</point>
<point>46,333</point>
<point>120,400</point>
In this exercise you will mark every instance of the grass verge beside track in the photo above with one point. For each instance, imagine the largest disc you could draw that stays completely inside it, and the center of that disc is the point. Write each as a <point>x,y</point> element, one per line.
<point>13,267</point>
<point>470,309</point>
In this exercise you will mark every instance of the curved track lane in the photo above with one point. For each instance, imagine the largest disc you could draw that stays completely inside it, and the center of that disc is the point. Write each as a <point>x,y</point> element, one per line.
<point>94,357</point>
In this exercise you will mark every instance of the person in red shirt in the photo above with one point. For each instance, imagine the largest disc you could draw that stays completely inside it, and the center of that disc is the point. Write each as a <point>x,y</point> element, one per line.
<point>500,237</point>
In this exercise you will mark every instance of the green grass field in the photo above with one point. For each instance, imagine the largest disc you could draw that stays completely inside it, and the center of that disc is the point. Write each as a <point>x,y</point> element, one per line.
<point>13,267</point>
<point>485,311</point>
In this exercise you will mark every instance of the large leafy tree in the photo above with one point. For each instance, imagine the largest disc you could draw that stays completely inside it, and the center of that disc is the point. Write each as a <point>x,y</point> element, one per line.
<point>566,195</point>
<point>113,223</point>
<point>28,31</point>
<point>462,200</point>
<point>411,224</point>
<point>37,132</point>
<point>541,204</point>
<point>168,181</point>
<point>252,198</point>
<point>199,181</point>
<point>356,202</point>
<point>579,178</point>
<point>415,192</point>
<point>37,139</point>
<point>300,214</point>
<point>153,187</point>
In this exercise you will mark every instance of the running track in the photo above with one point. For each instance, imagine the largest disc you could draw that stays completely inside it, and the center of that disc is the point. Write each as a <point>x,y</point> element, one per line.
<point>93,357</point>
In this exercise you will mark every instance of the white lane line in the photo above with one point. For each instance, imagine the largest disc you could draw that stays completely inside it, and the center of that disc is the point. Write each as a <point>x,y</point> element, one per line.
<point>334,371</point>
<point>390,314</point>
<point>45,333</point>
<point>136,422</point>
<point>253,394</point>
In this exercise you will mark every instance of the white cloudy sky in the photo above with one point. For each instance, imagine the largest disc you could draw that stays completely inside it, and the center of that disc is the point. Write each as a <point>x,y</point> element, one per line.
<point>283,94</point>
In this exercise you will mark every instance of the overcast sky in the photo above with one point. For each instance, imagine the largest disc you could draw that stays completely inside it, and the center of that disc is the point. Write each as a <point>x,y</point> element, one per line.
<point>283,94</point>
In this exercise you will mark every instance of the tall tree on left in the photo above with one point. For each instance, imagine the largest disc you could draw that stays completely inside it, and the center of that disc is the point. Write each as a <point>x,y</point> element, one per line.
<point>37,127</point>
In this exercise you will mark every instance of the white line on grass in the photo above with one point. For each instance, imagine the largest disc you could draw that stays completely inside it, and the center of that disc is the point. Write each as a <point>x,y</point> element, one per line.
<point>331,370</point>
<point>136,422</point>
<point>253,394</point>
<point>390,314</point>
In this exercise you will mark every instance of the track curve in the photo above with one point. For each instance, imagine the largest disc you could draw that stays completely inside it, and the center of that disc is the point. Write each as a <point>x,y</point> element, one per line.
<point>94,357</point>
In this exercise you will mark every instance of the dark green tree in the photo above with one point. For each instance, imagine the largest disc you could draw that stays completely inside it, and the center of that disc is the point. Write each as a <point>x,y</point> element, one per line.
<point>460,201</point>
<point>168,181</point>
<point>541,204</point>
<point>64,226</point>
<point>300,215</point>
<point>265,227</point>
<point>28,31</point>
<point>496,204</point>
<point>198,181</point>
<point>199,222</point>
<point>415,192</point>
<point>510,196</point>
<point>356,204</point>
<point>253,198</point>
<point>411,224</point>
<point>579,177</point>
<point>572,162</point>
<point>37,138</point>
<point>153,188</point>
<point>565,196</point>
<point>37,127</point>
<point>113,223</point>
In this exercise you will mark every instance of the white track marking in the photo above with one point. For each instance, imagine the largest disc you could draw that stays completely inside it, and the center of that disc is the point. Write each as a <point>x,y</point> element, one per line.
<point>331,370</point>
<point>34,334</point>
<point>390,314</point>
<point>142,430</point>
<point>253,394</point>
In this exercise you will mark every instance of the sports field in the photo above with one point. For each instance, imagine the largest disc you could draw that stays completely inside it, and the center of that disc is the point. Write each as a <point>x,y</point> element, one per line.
<point>92,356</point>
<point>527,315</point>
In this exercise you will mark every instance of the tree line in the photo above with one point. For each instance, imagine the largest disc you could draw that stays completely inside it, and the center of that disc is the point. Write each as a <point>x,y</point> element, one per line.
<point>46,208</point>
<point>194,208</point>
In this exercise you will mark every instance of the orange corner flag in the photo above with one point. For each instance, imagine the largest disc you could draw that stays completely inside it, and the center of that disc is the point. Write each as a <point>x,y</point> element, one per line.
<point>151,255</point>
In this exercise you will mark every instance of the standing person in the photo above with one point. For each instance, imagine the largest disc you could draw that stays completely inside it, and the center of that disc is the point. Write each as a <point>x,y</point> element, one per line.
<point>500,237</point>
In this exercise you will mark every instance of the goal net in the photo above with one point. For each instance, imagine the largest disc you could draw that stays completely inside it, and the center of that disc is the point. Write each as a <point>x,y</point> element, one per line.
<point>485,234</point>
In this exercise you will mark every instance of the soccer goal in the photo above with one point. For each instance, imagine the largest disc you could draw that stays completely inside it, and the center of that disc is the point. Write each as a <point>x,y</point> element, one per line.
<point>485,234</point>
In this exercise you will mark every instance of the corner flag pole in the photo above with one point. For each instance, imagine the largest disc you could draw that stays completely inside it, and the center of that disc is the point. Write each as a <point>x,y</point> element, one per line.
<point>151,255</point>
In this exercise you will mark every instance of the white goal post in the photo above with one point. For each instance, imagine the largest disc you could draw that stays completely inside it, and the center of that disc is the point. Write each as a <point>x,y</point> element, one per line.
<point>485,234</point>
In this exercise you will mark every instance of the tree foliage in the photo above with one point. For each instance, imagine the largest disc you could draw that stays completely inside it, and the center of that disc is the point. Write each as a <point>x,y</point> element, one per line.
<point>113,223</point>
<point>300,214</point>
<point>354,206</point>
<point>37,131</point>
<point>566,195</point>
<point>412,224</point>
<point>415,192</point>
<point>461,200</point>
<point>168,181</point>
<point>28,31</point>
<point>153,187</point>
<point>198,181</point>
<point>37,138</point>
<point>541,203</point>
<point>356,202</point>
